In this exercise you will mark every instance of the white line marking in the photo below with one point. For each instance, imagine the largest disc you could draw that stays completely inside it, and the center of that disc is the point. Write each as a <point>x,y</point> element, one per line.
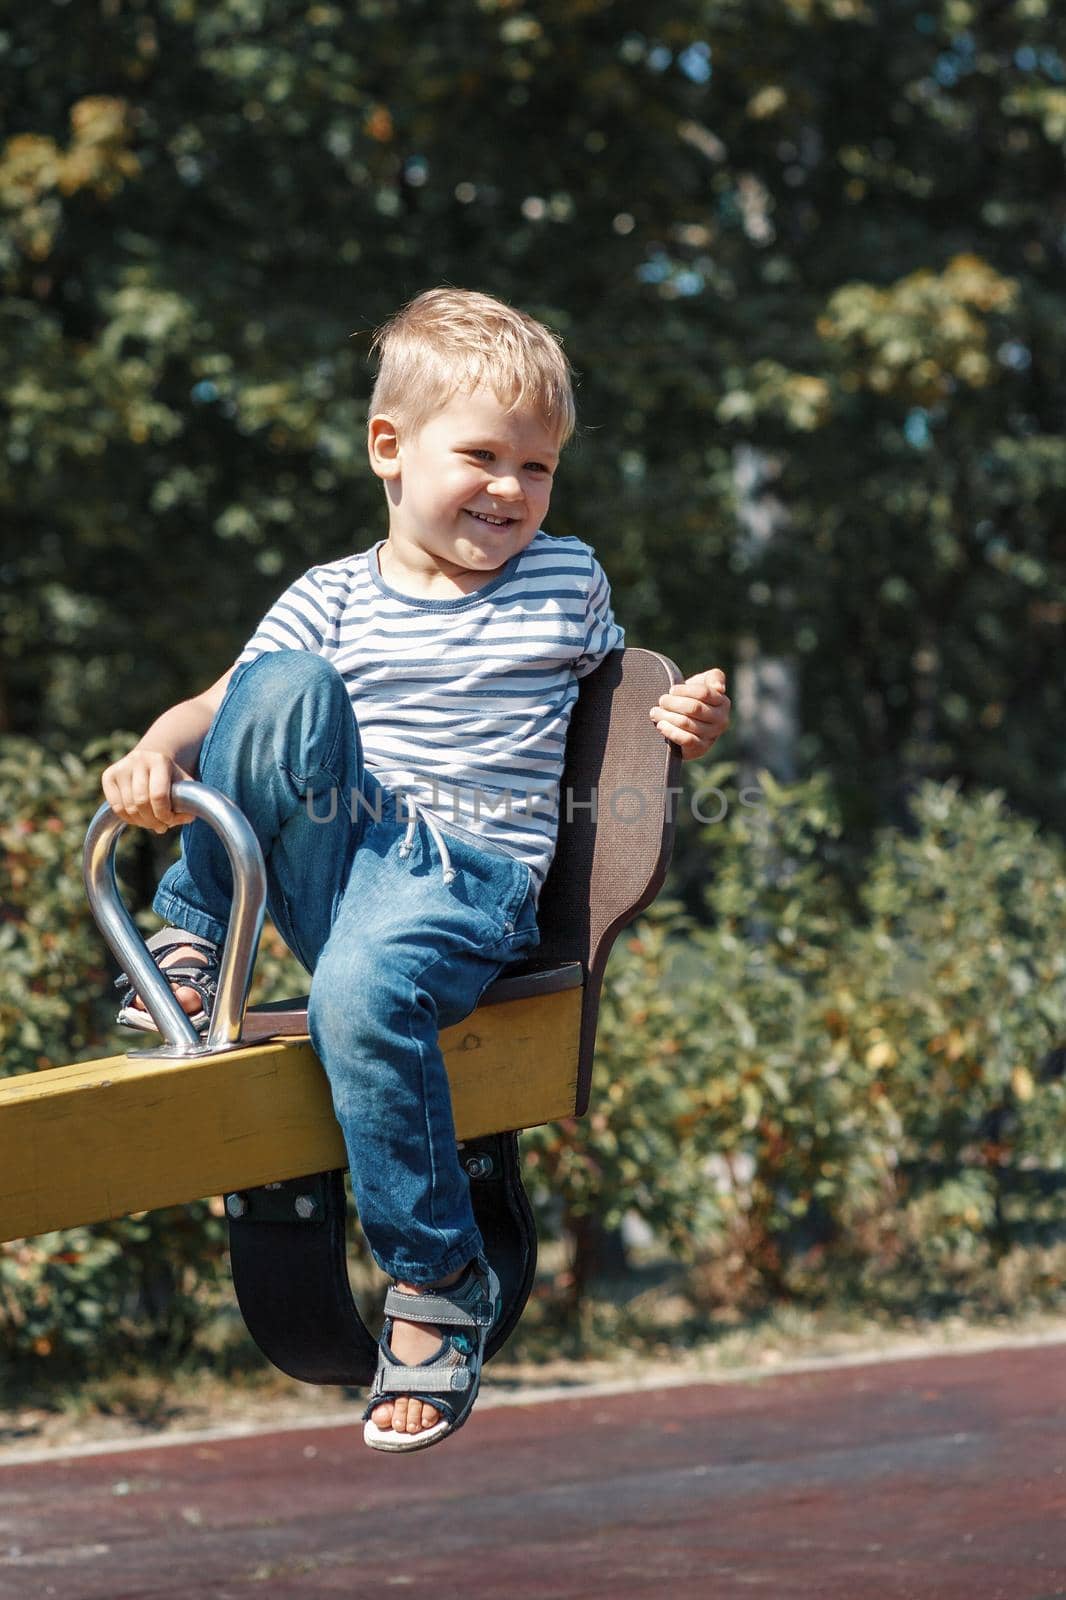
<point>492,1399</point>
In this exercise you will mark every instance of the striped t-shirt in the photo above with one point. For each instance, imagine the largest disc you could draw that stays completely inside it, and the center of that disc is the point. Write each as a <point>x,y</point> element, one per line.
<point>461,703</point>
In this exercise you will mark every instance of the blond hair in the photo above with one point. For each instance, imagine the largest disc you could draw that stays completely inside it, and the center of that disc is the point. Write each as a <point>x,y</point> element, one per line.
<point>451,340</point>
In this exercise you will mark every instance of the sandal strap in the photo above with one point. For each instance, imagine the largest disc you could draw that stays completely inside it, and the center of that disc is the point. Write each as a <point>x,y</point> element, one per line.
<point>466,1303</point>
<point>437,1309</point>
<point>180,969</point>
<point>173,939</point>
<point>204,983</point>
<point>449,1409</point>
<point>434,1379</point>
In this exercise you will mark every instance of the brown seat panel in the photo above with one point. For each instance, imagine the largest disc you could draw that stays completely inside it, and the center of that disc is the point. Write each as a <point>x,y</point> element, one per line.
<point>278,1019</point>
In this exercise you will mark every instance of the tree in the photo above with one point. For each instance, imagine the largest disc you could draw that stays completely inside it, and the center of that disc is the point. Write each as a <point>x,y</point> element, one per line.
<point>825,231</point>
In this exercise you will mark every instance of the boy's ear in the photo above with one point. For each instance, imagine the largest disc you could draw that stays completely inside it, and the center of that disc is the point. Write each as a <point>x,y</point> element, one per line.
<point>383,446</point>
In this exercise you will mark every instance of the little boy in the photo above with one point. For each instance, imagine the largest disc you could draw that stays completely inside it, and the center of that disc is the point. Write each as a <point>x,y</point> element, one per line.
<point>394,731</point>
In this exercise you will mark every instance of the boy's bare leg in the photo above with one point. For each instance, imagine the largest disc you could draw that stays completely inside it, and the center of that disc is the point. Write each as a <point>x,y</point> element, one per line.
<point>411,1343</point>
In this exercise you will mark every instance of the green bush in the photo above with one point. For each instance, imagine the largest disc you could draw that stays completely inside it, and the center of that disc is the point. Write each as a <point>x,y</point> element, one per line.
<point>957,1008</point>
<point>834,1098</point>
<point>838,1081</point>
<point>142,1285</point>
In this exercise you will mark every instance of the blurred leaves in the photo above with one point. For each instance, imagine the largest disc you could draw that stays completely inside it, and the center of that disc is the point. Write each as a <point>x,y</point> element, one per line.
<point>138,1286</point>
<point>870,1100</point>
<point>850,1079</point>
<point>829,233</point>
<point>922,336</point>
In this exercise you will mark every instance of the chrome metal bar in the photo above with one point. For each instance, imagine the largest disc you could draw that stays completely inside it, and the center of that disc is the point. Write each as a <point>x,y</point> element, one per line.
<point>242,935</point>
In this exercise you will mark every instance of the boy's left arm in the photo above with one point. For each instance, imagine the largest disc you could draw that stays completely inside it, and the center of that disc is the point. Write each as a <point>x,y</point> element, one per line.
<point>695,713</point>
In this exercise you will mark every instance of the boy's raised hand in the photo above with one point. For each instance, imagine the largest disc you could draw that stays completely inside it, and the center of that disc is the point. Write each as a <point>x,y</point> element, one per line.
<point>695,713</point>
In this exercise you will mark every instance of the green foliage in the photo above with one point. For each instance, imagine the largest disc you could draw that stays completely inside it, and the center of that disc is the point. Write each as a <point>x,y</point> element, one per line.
<point>829,1086</point>
<point>958,1010</point>
<point>55,1004</point>
<point>816,231</point>
<point>83,1299</point>
<point>141,1286</point>
<point>870,1102</point>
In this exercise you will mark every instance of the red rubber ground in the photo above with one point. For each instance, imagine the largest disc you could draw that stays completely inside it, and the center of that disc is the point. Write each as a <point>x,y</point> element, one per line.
<point>938,1479</point>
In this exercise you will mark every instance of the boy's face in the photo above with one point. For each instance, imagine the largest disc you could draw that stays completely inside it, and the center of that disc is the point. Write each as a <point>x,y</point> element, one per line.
<point>470,488</point>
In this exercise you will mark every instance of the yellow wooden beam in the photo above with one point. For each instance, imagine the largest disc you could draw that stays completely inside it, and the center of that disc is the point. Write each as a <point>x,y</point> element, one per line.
<point>83,1143</point>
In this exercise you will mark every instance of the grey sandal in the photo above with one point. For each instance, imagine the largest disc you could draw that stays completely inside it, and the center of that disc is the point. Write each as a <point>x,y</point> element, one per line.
<point>450,1378</point>
<point>201,976</point>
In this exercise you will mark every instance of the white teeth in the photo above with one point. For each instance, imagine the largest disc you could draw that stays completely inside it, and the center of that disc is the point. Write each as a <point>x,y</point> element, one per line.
<point>497,522</point>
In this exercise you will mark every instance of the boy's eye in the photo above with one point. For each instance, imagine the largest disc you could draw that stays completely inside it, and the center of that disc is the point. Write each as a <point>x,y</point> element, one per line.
<point>477,454</point>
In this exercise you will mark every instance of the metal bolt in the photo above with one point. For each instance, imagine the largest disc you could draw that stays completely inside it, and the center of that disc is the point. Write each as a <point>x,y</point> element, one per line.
<point>236,1205</point>
<point>478,1166</point>
<point>306,1206</point>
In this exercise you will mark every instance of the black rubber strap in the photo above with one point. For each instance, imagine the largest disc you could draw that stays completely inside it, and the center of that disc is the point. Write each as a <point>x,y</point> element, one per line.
<point>290,1270</point>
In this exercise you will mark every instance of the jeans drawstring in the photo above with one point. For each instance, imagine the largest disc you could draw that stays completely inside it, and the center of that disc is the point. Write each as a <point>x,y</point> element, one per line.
<point>414,812</point>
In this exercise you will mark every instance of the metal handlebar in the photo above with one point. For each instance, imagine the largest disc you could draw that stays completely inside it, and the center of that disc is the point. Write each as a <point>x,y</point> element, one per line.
<point>242,935</point>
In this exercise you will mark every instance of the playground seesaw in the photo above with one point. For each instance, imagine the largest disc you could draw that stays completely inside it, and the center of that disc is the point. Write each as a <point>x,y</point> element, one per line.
<point>246,1112</point>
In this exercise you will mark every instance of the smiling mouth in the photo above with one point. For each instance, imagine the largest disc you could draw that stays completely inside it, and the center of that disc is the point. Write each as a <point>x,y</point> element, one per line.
<point>491,521</point>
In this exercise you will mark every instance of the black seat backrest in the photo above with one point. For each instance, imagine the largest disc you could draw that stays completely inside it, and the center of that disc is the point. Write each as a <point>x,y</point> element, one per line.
<point>612,855</point>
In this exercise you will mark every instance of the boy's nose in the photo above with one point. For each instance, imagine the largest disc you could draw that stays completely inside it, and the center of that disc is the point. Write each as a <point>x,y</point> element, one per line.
<point>506,488</point>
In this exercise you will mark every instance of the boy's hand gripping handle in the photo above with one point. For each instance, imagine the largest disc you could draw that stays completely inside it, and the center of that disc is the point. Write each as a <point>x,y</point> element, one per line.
<point>242,936</point>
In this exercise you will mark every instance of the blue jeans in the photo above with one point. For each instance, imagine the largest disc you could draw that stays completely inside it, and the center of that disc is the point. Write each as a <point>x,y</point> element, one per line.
<point>395,953</point>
